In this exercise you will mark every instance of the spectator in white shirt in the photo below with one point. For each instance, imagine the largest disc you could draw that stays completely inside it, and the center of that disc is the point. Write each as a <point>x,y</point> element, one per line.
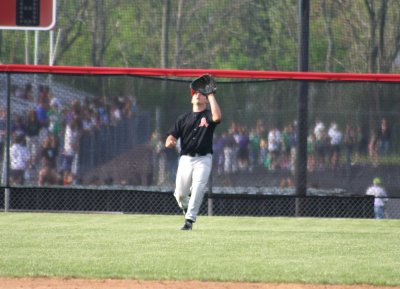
<point>71,148</point>
<point>19,160</point>
<point>321,144</point>
<point>335,142</point>
<point>274,147</point>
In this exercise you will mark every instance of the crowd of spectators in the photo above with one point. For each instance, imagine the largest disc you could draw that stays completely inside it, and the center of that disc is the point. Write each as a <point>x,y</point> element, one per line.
<point>260,148</point>
<point>25,92</point>
<point>241,148</point>
<point>45,141</point>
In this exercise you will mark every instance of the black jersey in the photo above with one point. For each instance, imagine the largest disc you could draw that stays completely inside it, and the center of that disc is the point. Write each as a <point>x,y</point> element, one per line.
<point>195,130</point>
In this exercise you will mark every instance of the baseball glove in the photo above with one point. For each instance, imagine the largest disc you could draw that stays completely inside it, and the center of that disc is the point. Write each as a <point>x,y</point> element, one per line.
<point>205,84</point>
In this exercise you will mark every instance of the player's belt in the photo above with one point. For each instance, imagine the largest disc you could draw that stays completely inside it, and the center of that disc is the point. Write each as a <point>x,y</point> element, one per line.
<point>196,154</point>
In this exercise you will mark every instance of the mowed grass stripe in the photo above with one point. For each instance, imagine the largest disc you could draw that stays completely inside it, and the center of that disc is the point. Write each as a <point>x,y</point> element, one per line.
<point>308,250</point>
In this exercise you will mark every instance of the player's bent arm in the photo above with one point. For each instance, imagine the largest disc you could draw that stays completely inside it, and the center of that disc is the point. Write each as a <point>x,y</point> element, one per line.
<point>170,142</point>
<point>215,109</point>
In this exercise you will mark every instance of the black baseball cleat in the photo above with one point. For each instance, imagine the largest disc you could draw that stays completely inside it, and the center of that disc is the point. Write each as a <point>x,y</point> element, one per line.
<point>187,225</point>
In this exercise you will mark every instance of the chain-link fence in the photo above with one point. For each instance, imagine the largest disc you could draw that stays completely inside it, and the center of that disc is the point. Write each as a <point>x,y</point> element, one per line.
<point>130,201</point>
<point>71,135</point>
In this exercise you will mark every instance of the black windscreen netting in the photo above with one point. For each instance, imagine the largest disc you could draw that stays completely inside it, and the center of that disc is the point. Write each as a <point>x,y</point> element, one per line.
<point>353,36</point>
<point>104,130</point>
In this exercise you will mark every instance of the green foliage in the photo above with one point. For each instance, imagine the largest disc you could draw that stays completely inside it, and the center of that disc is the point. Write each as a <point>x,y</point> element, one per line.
<point>236,34</point>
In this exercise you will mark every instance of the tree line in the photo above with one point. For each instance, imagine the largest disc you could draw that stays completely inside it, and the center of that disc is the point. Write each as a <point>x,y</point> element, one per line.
<point>345,36</point>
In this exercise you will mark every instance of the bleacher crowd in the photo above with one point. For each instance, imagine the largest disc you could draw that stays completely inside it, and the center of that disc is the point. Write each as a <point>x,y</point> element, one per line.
<point>45,141</point>
<point>241,148</point>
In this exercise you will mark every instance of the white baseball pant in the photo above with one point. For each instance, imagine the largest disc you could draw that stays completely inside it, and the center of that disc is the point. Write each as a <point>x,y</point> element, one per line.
<point>191,181</point>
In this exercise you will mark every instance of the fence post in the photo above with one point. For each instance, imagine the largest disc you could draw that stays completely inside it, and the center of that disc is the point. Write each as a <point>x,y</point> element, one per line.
<point>302,123</point>
<point>6,199</point>
<point>7,148</point>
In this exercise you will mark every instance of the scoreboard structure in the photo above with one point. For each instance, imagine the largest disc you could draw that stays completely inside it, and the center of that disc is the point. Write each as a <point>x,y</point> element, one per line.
<point>27,14</point>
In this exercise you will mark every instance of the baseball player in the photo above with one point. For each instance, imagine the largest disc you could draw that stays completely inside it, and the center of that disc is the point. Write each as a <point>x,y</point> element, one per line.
<point>195,130</point>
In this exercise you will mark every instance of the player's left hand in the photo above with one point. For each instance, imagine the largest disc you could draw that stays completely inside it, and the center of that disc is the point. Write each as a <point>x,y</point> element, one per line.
<point>170,142</point>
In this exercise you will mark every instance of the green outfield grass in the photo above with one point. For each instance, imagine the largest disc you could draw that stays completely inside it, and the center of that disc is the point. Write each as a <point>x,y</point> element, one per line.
<point>307,250</point>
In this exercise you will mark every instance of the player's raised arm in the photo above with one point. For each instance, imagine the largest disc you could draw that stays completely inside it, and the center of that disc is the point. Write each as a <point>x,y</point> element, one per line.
<point>207,86</point>
<point>215,109</point>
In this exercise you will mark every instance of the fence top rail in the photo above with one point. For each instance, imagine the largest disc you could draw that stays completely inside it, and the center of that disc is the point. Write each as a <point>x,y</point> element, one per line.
<point>176,72</point>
